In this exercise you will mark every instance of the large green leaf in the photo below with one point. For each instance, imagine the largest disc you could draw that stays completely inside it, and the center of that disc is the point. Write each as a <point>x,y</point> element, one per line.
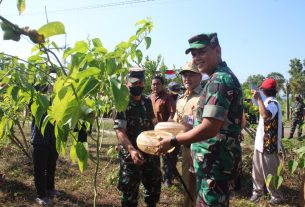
<point>141,22</point>
<point>61,134</point>
<point>120,94</point>
<point>36,112</point>
<point>11,35</point>
<point>51,29</point>
<point>148,42</point>
<point>301,151</point>
<point>111,66</point>
<point>133,52</point>
<point>13,91</point>
<point>278,180</point>
<point>44,101</point>
<point>86,86</point>
<point>91,71</point>
<point>268,180</point>
<point>8,127</point>
<point>279,168</point>
<point>66,110</point>
<point>97,42</point>
<point>292,165</point>
<point>39,107</point>
<point>81,47</point>
<point>2,126</point>
<point>88,58</point>
<point>139,56</point>
<point>73,153</point>
<point>21,6</point>
<point>301,163</point>
<point>44,123</point>
<point>82,154</point>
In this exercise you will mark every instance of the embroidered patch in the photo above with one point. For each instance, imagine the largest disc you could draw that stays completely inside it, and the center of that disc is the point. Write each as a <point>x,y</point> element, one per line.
<point>213,88</point>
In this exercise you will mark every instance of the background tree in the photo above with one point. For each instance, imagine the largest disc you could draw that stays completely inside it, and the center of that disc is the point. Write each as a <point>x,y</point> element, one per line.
<point>253,79</point>
<point>280,80</point>
<point>153,68</point>
<point>297,79</point>
<point>158,67</point>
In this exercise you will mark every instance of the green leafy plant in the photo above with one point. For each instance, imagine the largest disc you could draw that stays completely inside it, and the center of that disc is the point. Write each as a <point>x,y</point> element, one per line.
<point>277,179</point>
<point>89,86</point>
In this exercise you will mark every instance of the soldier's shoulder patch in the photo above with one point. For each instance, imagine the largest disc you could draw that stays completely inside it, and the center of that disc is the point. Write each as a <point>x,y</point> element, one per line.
<point>213,87</point>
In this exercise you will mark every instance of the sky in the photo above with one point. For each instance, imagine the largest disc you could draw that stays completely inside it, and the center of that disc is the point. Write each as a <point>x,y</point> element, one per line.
<point>256,36</point>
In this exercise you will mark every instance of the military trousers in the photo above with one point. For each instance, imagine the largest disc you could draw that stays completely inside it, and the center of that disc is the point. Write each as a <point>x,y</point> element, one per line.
<point>170,162</point>
<point>295,123</point>
<point>131,175</point>
<point>216,163</point>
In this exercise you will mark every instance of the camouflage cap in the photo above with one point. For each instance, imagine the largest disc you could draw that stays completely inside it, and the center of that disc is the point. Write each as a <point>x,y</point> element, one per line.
<point>189,66</point>
<point>136,74</point>
<point>202,40</point>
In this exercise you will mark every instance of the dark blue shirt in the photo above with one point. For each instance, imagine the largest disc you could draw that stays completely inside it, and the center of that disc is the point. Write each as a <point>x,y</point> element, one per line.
<point>36,135</point>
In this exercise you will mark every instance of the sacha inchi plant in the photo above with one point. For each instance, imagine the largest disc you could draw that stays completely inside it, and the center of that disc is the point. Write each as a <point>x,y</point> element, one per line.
<point>84,90</point>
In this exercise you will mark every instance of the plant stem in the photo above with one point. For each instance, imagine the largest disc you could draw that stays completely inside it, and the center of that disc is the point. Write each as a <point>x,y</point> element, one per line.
<point>17,142</point>
<point>22,134</point>
<point>97,159</point>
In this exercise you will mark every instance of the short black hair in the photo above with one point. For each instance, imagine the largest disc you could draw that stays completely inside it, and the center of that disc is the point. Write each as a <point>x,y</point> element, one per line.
<point>159,78</point>
<point>270,92</point>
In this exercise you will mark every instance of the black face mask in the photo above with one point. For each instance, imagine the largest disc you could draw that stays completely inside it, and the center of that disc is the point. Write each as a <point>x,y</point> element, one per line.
<point>136,90</point>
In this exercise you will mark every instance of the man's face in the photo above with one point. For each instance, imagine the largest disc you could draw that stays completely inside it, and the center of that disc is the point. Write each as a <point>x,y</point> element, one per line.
<point>156,86</point>
<point>206,58</point>
<point>191,80</point>
<point>297,98</point>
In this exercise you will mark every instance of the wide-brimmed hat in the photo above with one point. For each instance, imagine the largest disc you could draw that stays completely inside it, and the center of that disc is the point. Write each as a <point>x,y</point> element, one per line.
<point>189,66</point>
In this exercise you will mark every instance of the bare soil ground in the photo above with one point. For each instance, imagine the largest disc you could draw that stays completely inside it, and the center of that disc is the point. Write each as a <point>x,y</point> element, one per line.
<point>18,189</point>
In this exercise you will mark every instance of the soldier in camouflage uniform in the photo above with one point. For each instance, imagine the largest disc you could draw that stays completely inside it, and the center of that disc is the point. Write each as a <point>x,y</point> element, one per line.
<point>215,137</point>
<point>135,166</point>
<point>297,116</point>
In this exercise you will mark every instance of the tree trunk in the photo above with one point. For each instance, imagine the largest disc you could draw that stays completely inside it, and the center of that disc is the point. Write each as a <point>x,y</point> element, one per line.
<point>302,192</point>
<point>287,102</point>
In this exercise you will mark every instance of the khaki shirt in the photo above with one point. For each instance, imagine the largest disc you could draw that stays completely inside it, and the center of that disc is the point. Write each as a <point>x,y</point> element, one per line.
<point>186,105</point>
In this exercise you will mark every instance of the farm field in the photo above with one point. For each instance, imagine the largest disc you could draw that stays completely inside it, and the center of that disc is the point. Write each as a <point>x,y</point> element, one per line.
<point>76,187</point>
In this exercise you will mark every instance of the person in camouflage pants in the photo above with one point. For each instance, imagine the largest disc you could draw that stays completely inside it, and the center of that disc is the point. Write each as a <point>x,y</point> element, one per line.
<point>297,116</point>
<point>216,150</point>
<point>135,166</point>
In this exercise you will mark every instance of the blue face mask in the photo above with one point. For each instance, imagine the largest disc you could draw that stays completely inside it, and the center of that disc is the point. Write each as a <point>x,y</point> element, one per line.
<point>136,90</point>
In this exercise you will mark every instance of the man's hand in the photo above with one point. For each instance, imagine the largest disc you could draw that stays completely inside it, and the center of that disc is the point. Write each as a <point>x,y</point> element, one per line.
<point>255,94</point>
<point>187,126</point>
<point>163,146</point>
<point>136,157</point>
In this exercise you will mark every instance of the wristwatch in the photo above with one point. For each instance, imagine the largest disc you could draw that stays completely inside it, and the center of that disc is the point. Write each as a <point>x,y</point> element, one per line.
<point>173,142</point>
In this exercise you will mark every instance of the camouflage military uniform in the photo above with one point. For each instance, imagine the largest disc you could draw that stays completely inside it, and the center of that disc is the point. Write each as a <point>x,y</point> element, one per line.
<point>137,118</point>
<point>216,160</point>
<point>297,118</point>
